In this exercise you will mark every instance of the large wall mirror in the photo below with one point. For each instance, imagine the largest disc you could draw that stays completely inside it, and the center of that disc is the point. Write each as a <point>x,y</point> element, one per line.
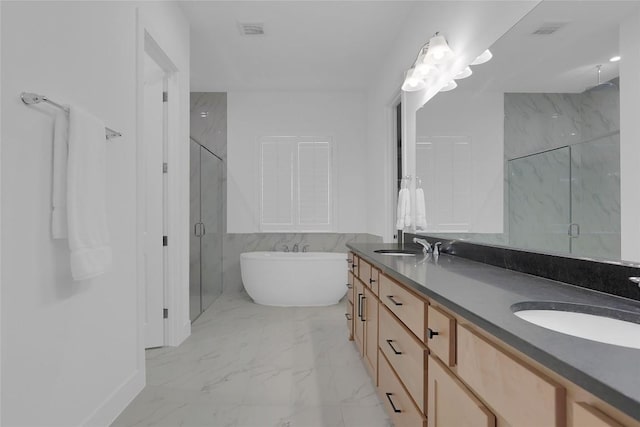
<point>525,152</point>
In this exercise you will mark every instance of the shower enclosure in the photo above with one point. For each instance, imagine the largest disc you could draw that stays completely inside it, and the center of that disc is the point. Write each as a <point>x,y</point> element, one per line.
<point>568,199</point>
<point>205,280</point>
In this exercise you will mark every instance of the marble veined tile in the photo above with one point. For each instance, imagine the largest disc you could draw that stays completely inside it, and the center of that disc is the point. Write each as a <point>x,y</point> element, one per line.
<point>247,365</point>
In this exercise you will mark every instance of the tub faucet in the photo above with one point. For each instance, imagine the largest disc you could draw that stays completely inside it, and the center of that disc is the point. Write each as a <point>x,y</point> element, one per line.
<point>305,248</point>
<point>426,247</point>
<point>295,247</point>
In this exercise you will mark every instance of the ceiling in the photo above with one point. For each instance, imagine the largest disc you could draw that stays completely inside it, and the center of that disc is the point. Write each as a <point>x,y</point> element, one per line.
<point>562,62</point>
<point>308,45</point>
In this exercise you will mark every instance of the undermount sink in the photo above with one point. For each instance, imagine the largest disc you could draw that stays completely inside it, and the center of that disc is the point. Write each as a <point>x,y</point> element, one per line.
<point>398,252</point>
<point>605,325</point>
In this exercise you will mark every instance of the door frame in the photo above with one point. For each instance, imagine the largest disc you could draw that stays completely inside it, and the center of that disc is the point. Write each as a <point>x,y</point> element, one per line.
<point>150,41</point>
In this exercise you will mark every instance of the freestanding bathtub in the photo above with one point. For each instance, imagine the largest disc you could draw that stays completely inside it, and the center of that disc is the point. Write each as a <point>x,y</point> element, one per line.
<point>294,279</point>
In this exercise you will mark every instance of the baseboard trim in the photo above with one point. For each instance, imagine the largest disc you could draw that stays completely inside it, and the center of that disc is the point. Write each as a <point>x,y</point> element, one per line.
<point>113,405</point>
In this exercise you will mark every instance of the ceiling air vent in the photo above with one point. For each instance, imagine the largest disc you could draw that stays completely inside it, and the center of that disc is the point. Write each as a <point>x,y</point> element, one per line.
<point>548,28</point>
<point>251,28</point>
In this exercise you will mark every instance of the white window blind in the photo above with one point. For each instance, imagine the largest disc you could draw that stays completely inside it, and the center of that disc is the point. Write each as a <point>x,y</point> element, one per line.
<point>296,184</point>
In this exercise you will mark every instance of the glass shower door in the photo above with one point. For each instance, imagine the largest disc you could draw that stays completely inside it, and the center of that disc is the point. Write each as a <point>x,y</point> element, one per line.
<point>540,201</point>
<point>195,303</point>
<point>211,218</point>
<point>595,198</point>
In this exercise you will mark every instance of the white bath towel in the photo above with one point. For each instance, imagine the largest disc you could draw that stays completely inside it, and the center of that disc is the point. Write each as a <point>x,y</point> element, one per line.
<point>59,186</point>
<point>403,212</point>
<point>86,196</point>
<point>421,210</point>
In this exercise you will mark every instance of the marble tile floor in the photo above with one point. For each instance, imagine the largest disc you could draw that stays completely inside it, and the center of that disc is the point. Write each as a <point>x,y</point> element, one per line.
<point>247,365</point>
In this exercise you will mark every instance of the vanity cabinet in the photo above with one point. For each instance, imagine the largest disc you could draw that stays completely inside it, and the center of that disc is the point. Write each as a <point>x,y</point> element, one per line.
<point>433,367</point>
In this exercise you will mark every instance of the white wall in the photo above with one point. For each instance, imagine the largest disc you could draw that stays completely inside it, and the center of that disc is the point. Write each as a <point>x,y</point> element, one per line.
<point>479,116</point>
<point>71,351</point>
<point>470,27</point>
<point>630,137</point>
<point>252,115</point>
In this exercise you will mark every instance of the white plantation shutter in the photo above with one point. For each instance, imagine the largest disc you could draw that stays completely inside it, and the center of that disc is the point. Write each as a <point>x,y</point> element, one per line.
<point>296,184</point>
<point>277,182</point>
<point>314,174</point>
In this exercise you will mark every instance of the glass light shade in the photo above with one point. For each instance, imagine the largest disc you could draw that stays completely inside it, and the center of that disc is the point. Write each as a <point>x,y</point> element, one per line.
<point>464,74</point>
<point>484,57</point>
<point>439,51</point>
<point>615,58</point>
<point>413,81</point>
<point>450,86</point>
<point>424,70</point>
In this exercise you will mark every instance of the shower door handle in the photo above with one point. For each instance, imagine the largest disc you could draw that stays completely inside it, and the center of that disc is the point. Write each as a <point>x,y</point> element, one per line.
<point>198,229</point>
<point>204,230</point>
<point>574,230</point>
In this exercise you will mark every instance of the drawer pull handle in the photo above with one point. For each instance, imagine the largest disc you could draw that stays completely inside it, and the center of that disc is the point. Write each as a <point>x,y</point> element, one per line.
<point>360,306</point>
<point>363,306</point>
<point>390,297</point>
<point>393,348</point>
<point>349,260</point>
<point>396,410</point>
<point>349,286</point>
<point>354,265</point>
<point>431,333</point>
<point>348,316</point>
<point>371,281</point>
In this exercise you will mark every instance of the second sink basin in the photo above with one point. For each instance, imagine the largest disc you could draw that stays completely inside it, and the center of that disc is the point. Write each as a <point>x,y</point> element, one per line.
<point>605,325</point>
<point>398,252</point>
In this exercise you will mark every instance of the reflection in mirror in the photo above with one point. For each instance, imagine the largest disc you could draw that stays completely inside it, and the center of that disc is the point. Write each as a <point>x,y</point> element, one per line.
<point>526,152</point>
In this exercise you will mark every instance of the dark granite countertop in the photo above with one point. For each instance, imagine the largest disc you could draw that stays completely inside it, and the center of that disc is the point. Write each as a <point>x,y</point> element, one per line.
<point>484,294</point>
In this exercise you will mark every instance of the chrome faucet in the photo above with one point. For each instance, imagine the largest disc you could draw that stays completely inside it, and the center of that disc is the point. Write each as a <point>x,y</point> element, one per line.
<point>295,247</point>
<point>436,248</point>
<point>426,247</point>
<point>304,248</point>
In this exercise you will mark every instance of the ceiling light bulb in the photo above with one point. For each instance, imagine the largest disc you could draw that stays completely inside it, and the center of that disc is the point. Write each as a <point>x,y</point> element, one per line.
<point>484,57</point>
<point>413,82</point>
<point>464,73</point>
<point>449,86</point>
<point>438,51</point>
<point>615,58</point>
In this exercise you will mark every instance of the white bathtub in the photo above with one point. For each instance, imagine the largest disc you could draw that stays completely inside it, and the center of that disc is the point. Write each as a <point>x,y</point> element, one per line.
<point>294,279</point>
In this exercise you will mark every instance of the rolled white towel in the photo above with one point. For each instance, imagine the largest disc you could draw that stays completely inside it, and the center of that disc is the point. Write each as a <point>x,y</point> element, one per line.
<point>421,210</point>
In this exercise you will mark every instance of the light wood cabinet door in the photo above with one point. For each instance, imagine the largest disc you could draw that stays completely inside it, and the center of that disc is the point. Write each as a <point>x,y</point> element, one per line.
<point>370,319</point>
<point>358,308</point>
<point>585,415</point>
<point>441,334</point>
<point>451,404</point>
<point>349,316</point>
<point>517,393</point>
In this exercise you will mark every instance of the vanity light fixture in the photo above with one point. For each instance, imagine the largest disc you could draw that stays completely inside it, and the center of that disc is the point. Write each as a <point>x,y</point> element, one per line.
<point>450,86</point>
<point>463,74</point>
<point>484,57</point>
<point>413,81</point>
<point>615,58</point>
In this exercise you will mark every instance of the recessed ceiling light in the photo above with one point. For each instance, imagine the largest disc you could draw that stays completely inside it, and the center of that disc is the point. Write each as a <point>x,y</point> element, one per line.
<point>204,114</point>
<point>615,59</point>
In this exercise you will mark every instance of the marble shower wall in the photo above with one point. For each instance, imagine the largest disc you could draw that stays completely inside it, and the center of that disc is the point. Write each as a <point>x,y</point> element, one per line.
<point>543,199</point>
<point>211,132</point>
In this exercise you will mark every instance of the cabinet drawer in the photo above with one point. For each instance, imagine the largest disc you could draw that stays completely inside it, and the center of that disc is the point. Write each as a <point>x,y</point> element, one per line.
<point>350,286</point>
<point>451,404</point>
<point>396,400</point>
<point>349,316</point>
<point>585,415</point>
<point>374,281</point>
<point>355,261</point>
<point>441,335</point>
<point>406,354</point>
<point>410,309</point>
<point>520,395</point>
<point>369,276</point>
